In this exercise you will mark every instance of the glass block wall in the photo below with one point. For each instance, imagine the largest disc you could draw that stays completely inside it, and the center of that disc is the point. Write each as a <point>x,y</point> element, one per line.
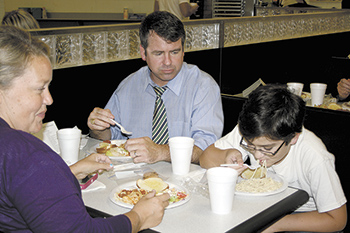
<point>75,47</point>
<point>83,48</point>
<point>97,44</point>
<point>242,31</point>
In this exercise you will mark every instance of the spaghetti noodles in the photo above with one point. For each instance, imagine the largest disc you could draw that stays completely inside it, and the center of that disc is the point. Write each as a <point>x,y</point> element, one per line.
<point>258,185</point>
<point>261,184</point>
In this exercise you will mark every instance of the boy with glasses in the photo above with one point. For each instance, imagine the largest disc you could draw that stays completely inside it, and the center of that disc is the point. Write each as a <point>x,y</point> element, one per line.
<point>270,129</point>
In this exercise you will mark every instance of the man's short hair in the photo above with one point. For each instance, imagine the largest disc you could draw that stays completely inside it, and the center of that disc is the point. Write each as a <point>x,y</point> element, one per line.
<point>165,25</point>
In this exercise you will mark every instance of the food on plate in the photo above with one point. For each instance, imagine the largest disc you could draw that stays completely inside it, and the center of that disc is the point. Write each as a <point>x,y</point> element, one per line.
<point>149,184</point>
<point>146,185</point>
<point>257,173</point>
<point>306,96</point>
<point>254,174</point>
<point>150,174</point>
<point>176,195</point>
<point>346,106</point>
<point>130,196</point>
<point>112,150</point>
<point>258,185</point>
<point>103,147</point>
<point>334,106</point>
<point>256,181</point>
<point>119,151</point>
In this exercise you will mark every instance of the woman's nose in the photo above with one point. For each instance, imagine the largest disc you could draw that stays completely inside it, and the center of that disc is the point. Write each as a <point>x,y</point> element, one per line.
<point>48,98</point>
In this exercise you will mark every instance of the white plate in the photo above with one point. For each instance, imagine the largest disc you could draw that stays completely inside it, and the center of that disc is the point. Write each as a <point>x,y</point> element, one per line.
<point>269,174</point>
<point>132,185</point>
<point>117,158</point>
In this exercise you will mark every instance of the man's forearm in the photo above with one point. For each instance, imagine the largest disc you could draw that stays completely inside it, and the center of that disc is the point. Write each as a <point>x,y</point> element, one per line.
<point>101,134</point>
<point>196,154</point>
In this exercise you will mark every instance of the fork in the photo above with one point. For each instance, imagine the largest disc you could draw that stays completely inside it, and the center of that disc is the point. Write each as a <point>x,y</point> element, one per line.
<point>252,167</point>
<point>122,129</point>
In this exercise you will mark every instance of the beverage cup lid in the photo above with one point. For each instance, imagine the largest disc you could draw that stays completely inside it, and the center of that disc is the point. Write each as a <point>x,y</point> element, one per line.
<point>69,130</point>
<point>318,85</point>
<point>224,174</point>
<point>68,133</point>
<point>181,142</point>
<point>295,83</point>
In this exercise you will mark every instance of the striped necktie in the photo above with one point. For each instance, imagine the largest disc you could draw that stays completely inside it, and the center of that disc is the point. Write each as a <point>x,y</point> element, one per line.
<point>160,133</point>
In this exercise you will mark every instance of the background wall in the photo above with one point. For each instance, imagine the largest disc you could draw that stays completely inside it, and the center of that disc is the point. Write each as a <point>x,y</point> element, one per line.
<point>306,60</point>
<point>96,6</point>
<point>2,9</point>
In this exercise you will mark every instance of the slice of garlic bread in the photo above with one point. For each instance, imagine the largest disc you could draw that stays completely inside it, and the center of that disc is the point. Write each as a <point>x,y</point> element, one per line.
<point>149,184</point>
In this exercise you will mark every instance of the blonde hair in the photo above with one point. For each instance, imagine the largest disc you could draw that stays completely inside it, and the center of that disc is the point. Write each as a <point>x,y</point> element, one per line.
<point>20,18</point>
<point>17,49</point>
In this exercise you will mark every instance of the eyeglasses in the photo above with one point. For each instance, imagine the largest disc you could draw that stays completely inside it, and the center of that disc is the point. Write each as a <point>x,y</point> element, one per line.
<point>252,149</point>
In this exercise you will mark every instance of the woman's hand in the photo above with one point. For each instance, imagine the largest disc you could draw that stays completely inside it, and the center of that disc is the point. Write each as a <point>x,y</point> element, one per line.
<point>90,164</point>
<point>149,211</point>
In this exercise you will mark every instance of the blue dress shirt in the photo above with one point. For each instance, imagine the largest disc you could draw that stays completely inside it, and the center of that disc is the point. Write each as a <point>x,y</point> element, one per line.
<point>192,101</point>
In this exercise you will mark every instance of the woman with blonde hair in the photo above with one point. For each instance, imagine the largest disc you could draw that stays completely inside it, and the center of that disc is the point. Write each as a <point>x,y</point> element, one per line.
<point>38,191</point>
<point>20,18</point>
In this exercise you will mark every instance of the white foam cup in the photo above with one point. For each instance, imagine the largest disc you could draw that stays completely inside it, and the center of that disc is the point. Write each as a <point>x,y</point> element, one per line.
<point>181,153</point>
<point>296,88</point>
<point>222,184</point>
<point>69,142</point>
<point>318,90</point>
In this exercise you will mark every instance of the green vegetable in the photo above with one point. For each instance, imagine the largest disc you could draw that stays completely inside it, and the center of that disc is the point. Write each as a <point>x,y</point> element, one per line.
<point>172,199</point>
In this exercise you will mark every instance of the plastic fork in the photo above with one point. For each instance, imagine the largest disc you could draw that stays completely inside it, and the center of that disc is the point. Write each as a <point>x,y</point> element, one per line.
<point>122,129</point>
<point>236,165</point>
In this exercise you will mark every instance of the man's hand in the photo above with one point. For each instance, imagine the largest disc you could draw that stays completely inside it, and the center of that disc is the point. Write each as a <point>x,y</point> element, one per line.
<point>344,88</point>
<point>99,122</point>
<point>144,150</point>
<point>100,119</point>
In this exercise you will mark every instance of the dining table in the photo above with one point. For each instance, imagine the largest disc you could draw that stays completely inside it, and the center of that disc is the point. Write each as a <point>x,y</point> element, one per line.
<point>250,213</point>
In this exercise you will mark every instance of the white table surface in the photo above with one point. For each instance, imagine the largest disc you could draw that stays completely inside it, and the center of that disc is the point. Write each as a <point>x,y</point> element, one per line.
<point>193,216</point>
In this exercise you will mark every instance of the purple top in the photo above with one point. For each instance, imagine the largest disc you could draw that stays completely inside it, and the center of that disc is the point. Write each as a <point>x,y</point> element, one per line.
<point>39,193</point>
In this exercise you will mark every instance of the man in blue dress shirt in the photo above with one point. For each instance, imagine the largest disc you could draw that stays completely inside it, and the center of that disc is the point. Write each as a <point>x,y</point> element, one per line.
<point>192,98</point>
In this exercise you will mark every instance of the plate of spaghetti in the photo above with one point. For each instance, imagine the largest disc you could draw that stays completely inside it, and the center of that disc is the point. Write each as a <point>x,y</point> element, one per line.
<point>269,185</point>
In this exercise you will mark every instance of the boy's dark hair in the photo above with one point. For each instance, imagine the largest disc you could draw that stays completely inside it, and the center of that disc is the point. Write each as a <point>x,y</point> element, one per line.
<point>272,111</point>
<point>165,25</point>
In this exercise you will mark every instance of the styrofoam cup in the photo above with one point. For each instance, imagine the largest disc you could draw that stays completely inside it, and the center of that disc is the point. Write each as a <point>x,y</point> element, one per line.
<point>222,184</point>
<point>69,142</point>
<point>296,88</point>
<point>318,90</point>
<point>181,153</point>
